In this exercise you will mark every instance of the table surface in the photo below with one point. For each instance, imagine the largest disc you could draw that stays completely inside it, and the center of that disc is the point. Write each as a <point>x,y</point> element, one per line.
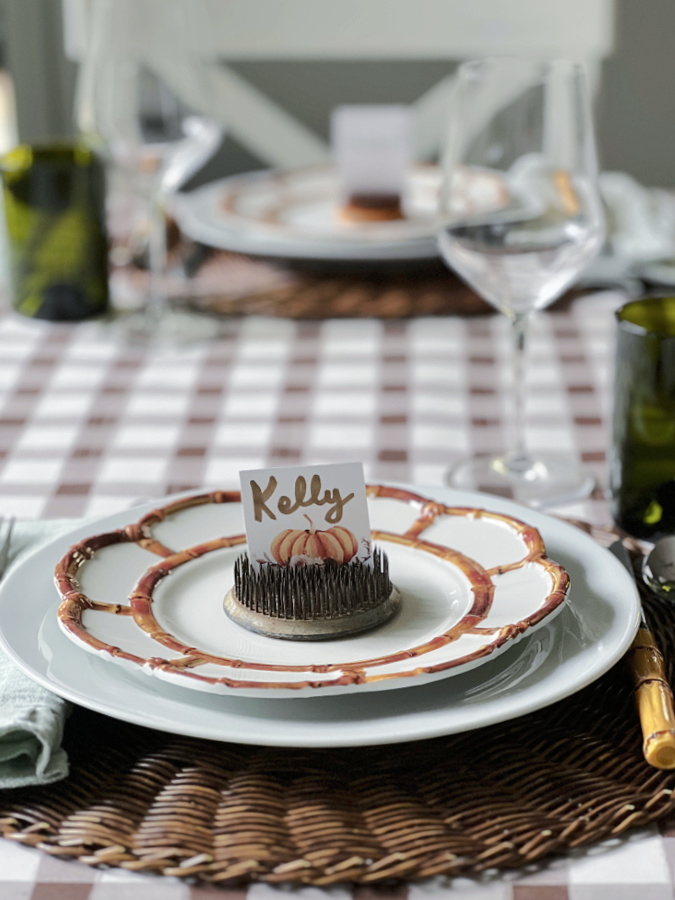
<point>92,424</point>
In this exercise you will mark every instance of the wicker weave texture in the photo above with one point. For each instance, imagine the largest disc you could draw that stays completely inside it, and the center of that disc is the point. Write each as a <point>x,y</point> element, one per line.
<point>501,797</point>
<point>385,291</point>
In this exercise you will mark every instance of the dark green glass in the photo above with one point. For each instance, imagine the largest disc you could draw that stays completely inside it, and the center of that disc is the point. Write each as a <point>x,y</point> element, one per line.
<point>54,199</point>
<point>642,457</point>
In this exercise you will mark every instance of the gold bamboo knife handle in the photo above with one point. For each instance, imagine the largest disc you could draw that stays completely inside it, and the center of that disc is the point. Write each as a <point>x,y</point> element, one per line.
<point>654,699</point>
<point>653,695</point>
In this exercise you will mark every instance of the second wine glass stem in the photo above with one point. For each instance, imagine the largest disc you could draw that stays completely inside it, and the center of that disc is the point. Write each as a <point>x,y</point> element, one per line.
<point>518,458</point>
<point>157,256</point>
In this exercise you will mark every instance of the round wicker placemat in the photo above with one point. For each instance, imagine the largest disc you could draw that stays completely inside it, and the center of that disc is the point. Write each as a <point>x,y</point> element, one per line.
<point>305,295</point>
<point>501,797</point>
<point>232,284</point>
<point>229,284</point>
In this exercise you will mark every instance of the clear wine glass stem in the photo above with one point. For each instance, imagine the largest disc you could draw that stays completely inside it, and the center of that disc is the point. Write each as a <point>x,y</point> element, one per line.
<point>518,459</point>
<point>157,255</point>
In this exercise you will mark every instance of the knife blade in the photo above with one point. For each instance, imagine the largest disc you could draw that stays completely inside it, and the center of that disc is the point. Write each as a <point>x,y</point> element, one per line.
<point>653,694</point>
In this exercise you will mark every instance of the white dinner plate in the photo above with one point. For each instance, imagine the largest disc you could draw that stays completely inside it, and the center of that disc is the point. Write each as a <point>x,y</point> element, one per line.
<point>150,597</point>
<point>294,214</point>
<point>593,631</point>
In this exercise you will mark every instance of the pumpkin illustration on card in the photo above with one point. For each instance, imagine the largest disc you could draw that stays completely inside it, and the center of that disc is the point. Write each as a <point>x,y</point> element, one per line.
<point>314,546</point>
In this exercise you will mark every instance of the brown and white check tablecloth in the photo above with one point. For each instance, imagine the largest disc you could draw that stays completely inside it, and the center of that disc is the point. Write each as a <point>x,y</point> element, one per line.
<point>90,424</point>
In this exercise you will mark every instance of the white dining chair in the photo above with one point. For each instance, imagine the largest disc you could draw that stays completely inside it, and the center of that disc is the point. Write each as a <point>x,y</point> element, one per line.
<point>344,30</point>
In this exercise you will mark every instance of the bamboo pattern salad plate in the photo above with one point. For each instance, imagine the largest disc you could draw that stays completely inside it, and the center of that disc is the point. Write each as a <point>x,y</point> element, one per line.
<point>472,583</point>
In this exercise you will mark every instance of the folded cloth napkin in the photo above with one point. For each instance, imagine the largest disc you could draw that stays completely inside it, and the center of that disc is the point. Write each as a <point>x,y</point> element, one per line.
<point>31,717</point>
<point>640,232</point>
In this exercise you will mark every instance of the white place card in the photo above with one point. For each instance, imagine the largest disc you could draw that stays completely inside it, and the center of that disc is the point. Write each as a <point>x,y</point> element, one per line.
<point>304,515</point>
<point>372,147</point>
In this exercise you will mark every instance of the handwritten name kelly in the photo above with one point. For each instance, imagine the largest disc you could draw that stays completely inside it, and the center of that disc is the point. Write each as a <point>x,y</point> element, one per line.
<point>287,505</point>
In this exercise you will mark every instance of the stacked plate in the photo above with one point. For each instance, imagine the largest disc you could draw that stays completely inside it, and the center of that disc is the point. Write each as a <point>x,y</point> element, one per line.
<point>504,611</point>
<point>294,215</point>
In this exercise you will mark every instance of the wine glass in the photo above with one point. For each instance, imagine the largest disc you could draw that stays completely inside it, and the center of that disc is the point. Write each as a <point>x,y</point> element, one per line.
<point>140,103</point>
<point>520,217</point>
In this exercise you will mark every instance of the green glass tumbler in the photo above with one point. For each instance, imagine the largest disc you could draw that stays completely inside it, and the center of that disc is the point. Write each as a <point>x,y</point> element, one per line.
<point>54,202</point>
<point>642,454</point>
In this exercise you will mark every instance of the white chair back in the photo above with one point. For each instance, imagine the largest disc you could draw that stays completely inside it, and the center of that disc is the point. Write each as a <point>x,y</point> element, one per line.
<point>346,30</point>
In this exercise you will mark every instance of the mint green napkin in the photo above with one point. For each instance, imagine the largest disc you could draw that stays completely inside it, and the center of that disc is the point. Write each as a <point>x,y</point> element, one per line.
<point>31,717</point>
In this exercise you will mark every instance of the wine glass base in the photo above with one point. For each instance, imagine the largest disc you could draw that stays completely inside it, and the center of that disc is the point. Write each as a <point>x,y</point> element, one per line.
<point>548,479</point>
<point>168,325</point>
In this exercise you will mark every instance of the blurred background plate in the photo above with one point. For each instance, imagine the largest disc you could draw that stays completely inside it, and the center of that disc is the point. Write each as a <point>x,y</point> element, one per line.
<point>295,215</point>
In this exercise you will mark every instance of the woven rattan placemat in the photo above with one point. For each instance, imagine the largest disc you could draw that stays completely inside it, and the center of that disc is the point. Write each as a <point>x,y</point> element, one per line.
<point>230,284</point>
<point>233,284</point>
<point>306,295</point>
<point>501,797</point>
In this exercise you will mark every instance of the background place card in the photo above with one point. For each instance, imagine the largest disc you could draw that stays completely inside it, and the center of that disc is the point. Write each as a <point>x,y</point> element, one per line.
<point>372,148</point>
<point>302,515</point>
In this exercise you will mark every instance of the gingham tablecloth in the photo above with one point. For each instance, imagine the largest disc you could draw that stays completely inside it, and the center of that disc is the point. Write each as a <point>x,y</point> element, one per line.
<point>90,424</point>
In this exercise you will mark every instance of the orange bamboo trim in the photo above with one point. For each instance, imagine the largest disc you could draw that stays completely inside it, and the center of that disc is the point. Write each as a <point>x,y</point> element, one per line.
<point>141,599</point>
<point>430,510</point>
<point>141,604</point>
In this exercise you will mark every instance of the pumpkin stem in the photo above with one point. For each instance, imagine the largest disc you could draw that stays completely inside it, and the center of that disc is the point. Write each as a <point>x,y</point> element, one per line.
<point>312,529</point>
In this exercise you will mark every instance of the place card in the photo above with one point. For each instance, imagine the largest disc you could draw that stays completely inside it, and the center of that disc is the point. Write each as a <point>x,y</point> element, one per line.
<point>305,515</point>
<point>372,147</point>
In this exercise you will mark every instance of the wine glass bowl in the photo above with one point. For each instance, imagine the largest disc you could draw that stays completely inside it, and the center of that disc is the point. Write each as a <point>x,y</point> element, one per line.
<point>520,218</point>
<point>141,101</point>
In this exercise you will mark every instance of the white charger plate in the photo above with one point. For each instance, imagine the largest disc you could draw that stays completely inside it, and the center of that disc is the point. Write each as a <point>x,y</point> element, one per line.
<point>150,596</point>
<point>293,214</point>
<point>593,631</point>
